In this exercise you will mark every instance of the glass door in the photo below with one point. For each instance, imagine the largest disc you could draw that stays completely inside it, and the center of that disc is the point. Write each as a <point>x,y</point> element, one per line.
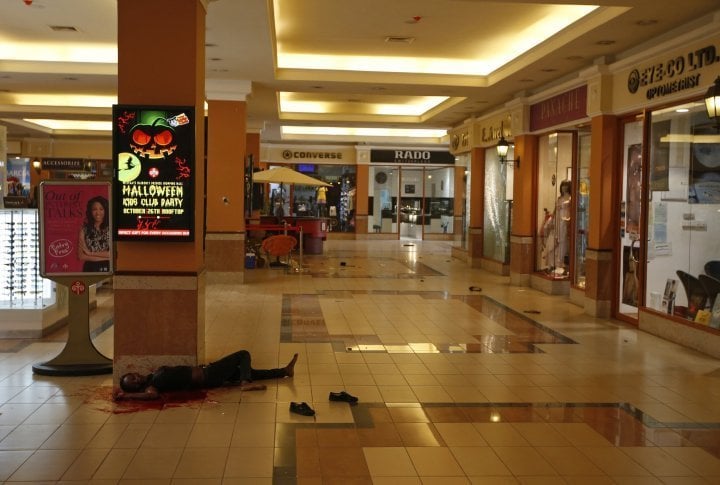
<point>630,221</point>
<point>411,210</point>
<point>582,196</point>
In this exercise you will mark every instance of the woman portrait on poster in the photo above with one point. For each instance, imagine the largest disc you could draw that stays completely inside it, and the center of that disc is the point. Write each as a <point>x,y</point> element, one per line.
<point>94,237</point>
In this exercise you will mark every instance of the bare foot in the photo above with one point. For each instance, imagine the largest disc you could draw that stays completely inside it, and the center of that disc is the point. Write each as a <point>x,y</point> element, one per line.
<point>290,368</point>
<point>250,386</point>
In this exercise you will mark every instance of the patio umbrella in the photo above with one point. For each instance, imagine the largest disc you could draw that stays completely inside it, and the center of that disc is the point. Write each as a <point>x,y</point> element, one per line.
<point>284,175</point>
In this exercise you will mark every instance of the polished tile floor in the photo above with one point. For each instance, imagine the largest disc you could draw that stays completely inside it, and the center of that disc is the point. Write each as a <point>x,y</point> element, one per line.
<point>462,378</point>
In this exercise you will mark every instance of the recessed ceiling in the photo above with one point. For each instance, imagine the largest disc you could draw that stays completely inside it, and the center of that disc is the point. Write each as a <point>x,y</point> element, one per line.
<point>331,57</point>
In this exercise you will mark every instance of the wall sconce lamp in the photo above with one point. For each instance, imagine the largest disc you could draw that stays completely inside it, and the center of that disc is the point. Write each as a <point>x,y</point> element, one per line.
<point>37,165</point>
<point>712,103</point>
<point>502,150</point>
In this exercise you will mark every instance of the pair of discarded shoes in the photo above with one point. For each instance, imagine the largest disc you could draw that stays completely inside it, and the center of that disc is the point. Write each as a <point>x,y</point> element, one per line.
<point>304,409</point>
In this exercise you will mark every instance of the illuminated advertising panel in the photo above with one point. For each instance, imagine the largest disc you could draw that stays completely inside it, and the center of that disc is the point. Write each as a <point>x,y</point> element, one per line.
<point>75,222</point>
<point>154,163</point>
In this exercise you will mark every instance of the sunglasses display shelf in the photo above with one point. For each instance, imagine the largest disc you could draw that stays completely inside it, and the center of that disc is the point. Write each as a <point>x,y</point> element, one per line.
<point>21,286</point>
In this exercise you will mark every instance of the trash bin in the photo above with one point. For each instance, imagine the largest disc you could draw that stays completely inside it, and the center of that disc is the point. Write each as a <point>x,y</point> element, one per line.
<point>250,260</point>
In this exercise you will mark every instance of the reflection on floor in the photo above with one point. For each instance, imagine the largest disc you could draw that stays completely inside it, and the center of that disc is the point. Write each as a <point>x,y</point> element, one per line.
<point>456,385</point>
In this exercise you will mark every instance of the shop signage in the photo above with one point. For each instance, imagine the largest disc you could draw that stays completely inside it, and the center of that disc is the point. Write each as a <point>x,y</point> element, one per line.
<point>305,155</point>
<point>75,228</point>
<point>412,157</point>
<point>568,106</point>
<point>154,157</point>
<point>63,164</point>
<point>672,75</point>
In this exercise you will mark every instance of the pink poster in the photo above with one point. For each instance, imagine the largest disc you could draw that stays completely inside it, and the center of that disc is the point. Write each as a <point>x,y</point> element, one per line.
<point>75,228</point>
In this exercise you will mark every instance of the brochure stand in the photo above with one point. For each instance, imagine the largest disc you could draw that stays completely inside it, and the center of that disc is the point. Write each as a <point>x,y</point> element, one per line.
<point>75,240</point>
<point>79,357</point>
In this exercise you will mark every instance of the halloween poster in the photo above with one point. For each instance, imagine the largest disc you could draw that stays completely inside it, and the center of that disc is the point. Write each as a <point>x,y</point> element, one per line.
<point>154,154</point>
<point>75,222</point>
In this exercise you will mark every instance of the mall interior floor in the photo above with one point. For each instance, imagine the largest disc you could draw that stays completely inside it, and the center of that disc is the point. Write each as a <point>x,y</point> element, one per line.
<point>461,378</point>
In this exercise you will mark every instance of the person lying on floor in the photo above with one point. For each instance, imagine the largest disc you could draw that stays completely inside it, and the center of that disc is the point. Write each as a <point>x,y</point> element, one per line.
<point>231,370</point>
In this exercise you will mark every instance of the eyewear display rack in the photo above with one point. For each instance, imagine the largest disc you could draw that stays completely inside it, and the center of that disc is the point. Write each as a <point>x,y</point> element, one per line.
<point>21,286</point>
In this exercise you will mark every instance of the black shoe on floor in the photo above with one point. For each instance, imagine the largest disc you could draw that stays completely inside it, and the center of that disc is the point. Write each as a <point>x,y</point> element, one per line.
<point>301,408</point>
<point>343,396</point>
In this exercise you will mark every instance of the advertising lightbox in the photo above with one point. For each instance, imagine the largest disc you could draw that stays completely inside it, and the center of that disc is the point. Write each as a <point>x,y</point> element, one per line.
<point>154,163</point>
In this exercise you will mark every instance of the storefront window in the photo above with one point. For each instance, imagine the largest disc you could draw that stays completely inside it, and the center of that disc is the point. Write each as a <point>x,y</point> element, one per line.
<point>336,203</point>
<point>439,200</point>
<point>582,194</point>
<point>383,188</point>
<point>684,214</point>
<point>554,204</point>
<point>464,161</point>
<point>498,204</point>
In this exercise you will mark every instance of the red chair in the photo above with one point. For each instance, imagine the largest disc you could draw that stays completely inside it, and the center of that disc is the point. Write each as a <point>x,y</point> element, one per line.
<point>279,245</point>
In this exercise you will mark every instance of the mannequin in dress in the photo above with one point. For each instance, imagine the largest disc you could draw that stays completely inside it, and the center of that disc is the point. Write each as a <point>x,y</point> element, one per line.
<point>563,208</point>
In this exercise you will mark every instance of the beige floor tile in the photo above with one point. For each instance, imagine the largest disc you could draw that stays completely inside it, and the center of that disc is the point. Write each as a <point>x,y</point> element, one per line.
<point>252,434</point>
<point>479,461</point>
<point>210,435</point>
<point>27,437</point>
<point>365,394</point>
<point>460,434</point>
<point>256,412</point>
<point>358,379</point>
<point>214,412</point>
<point>161,435</point>
<point>202,463</point>
<point>45,465</point>
<point>431,394</point>
<point>612,461</point>
<point>569,462</point>
<point>397,393</point>
<point>524,461</point>
<point>500,434</point>
<point>389,380</point>
<point>389,462</point>
<point>396,481</point>
<point>86,464</point>
<point>153,463</point>
<point>441,480</point>
<point>494,480</point>
<point>697,460</point>
<point>115,464</point>
<point>434,462</point>
<point>71,436</point>
<point>249,462</point>
<point>11,461</point>
<point>658,462</point>
<point>178,414</point>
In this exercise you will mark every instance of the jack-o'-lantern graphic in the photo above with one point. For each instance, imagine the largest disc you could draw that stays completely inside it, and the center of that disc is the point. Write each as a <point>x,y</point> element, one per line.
<point>153,137</point>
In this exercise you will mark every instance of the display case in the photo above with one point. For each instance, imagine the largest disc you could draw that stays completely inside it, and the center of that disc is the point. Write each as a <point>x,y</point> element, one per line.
<point>20,283</point>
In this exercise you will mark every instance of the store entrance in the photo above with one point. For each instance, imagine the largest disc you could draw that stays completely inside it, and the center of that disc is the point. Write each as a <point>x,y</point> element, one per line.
<point>630,223</point>
<point>412,207</point>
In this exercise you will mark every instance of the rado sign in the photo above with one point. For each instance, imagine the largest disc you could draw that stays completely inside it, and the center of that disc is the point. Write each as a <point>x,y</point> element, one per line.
<point>428,157</point>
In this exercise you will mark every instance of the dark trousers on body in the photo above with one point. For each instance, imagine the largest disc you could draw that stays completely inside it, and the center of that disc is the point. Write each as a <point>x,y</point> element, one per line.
<point>236,368</point>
